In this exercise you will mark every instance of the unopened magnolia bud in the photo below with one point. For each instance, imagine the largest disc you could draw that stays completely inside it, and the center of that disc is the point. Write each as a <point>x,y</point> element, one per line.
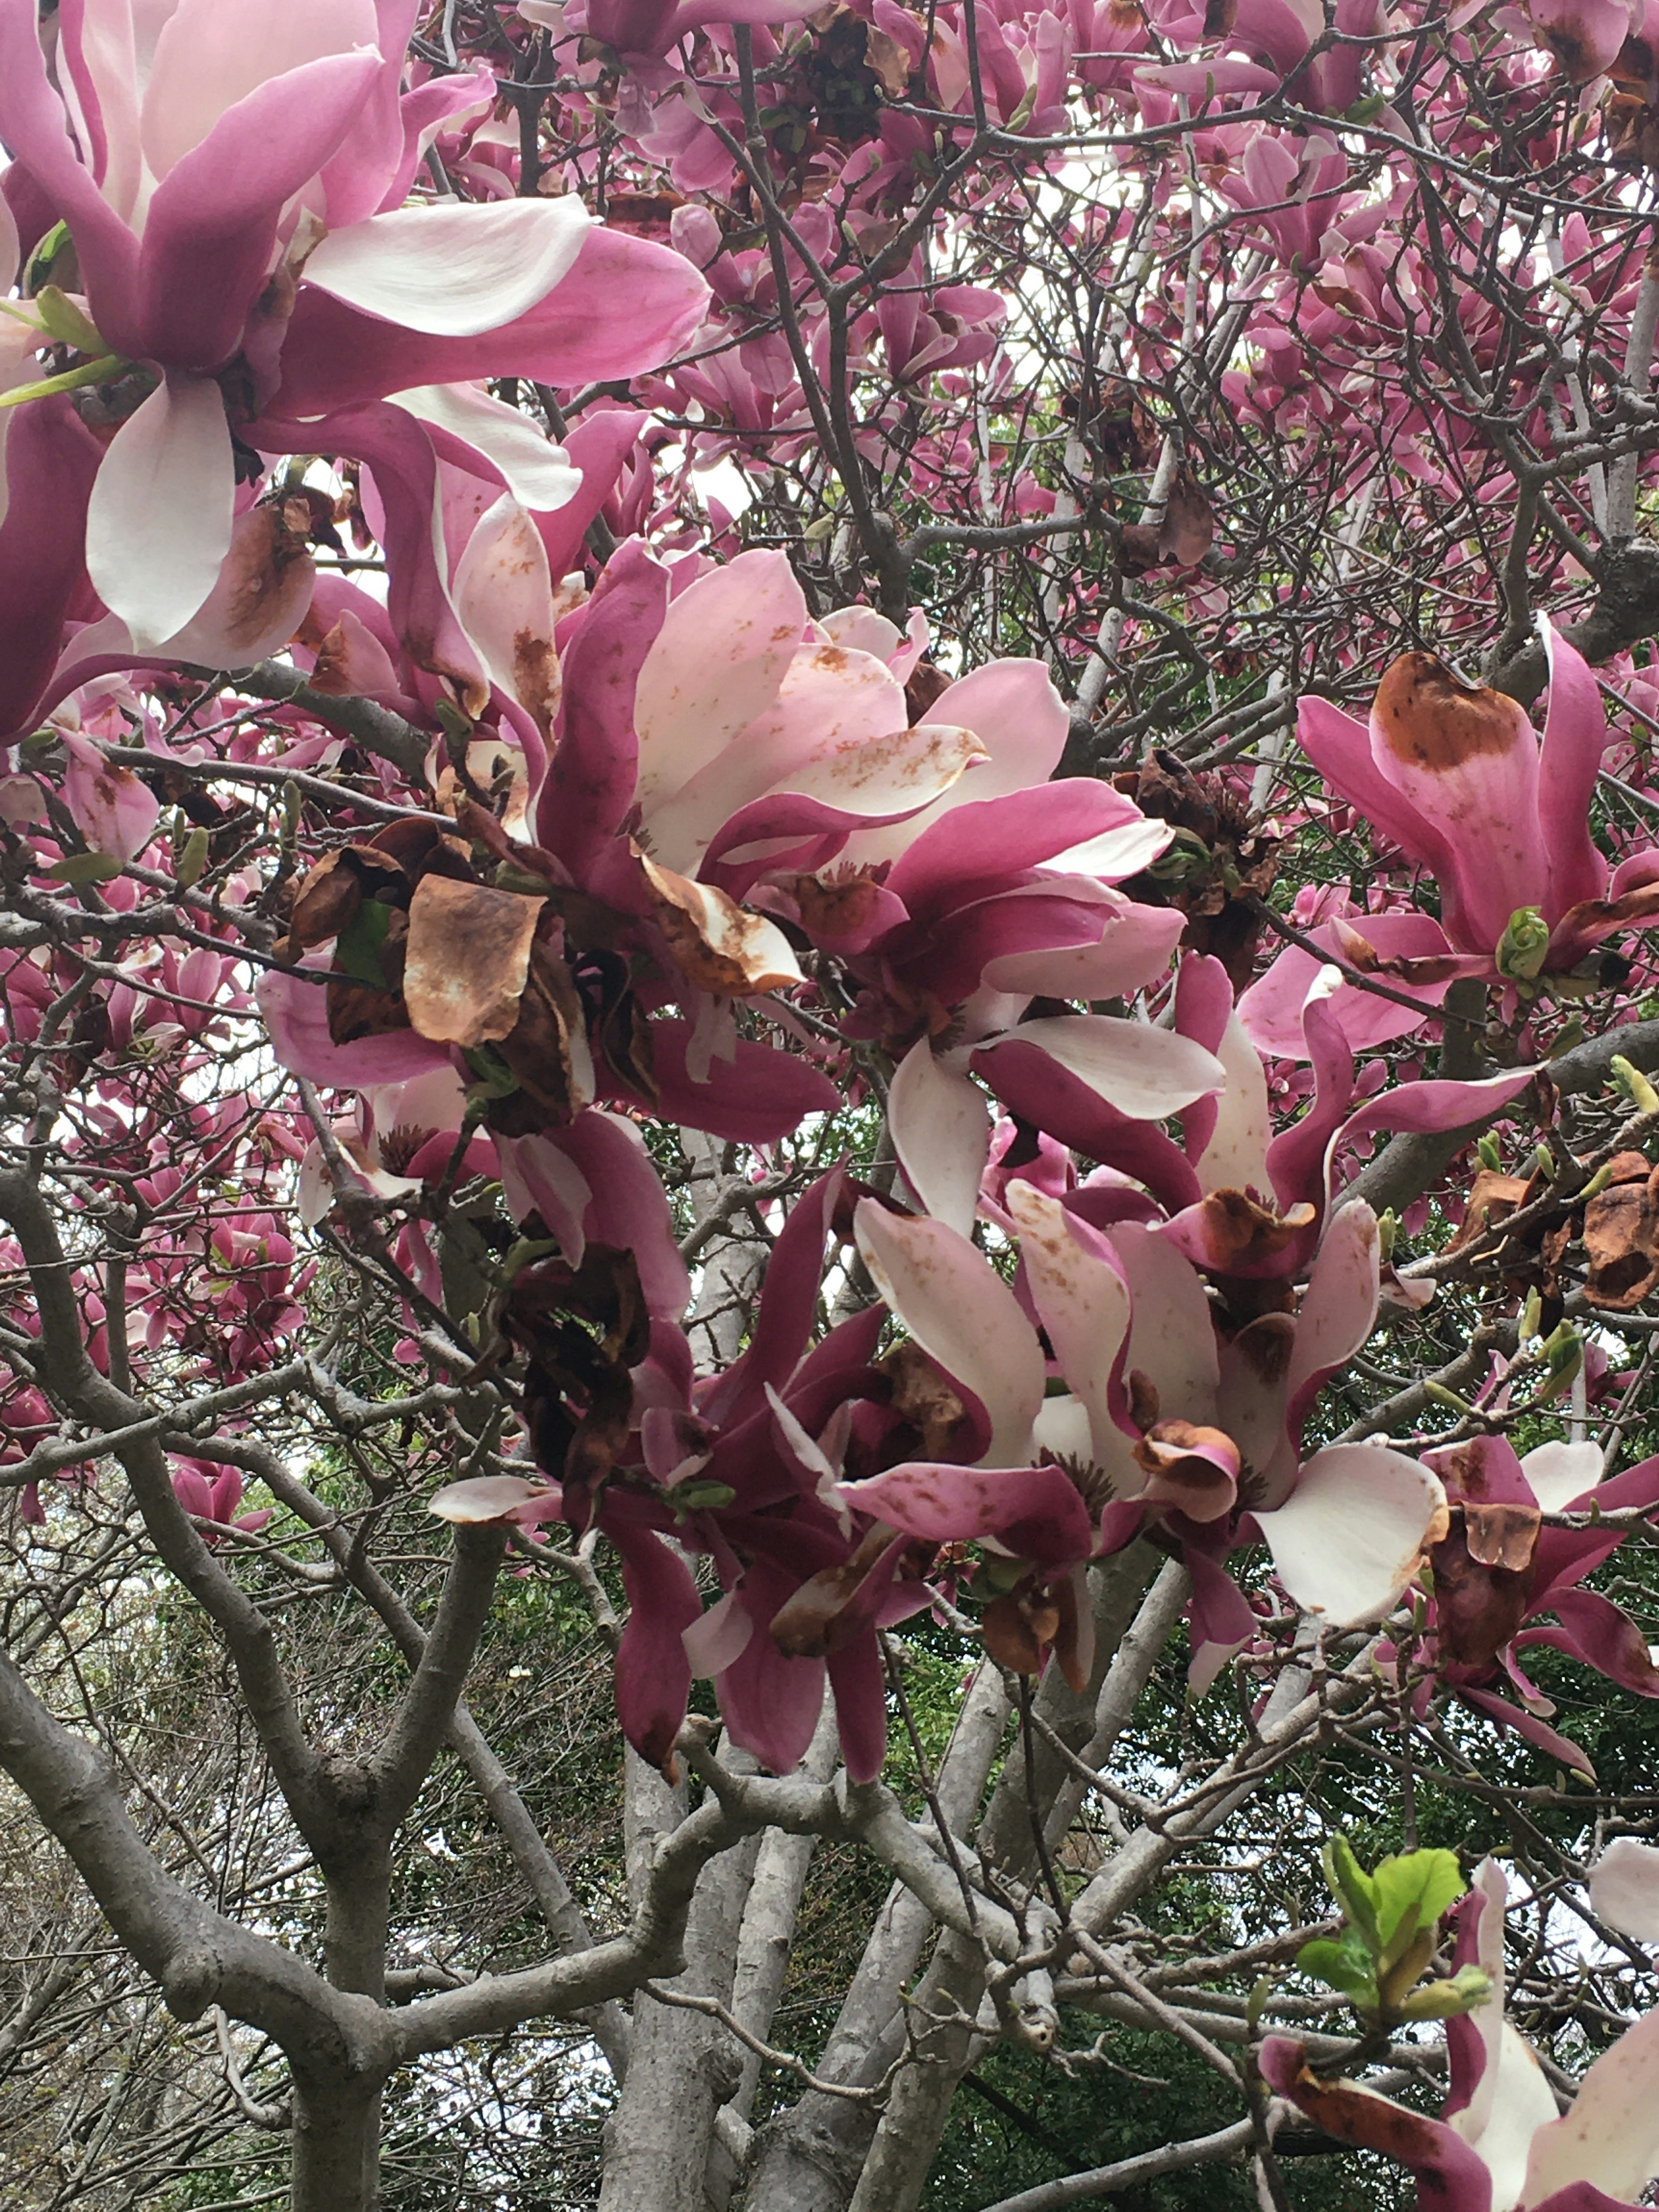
<point>1634,1085</point>
<point>193,858</point>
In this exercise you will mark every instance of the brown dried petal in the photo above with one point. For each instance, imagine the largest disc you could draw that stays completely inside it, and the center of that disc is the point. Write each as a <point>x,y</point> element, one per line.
<point>1429,719</point>
<point>1622,1246</point>
<point>720,947</point>
<point>468,959</point>
<point>1492,1198</point>
<point>328,899</point>
<point>1502,1535</point>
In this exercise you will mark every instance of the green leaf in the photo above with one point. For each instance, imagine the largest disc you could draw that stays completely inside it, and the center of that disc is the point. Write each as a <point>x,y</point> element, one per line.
<point>1468,1987</point>
<point>1412,1893</point>
<point>1353,1889</point>
<point>1344,1962</point>
<point>85,868</point>
<point>357,948</point>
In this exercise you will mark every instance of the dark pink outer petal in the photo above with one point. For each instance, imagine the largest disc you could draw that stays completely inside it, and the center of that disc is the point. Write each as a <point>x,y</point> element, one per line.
<point>760,1097</point>
<point>590,785</point>
<point>987,839</point>
<point>1340,749</point>
<point>654,1675</point>
<point>1565,1556</point>
<point>1272,1009</point>
<point>1596,1630</point>
<point>1296,1157</point>
<point>1575,738</point>
<point>1559,1747</point>
<point>598,446</point>
<point>628,1208</point>
<point>628,306</point>
<point>1034,1511</point>
<point>397,449</point>
<point>1450,2177</point>
<point>35,130</point>
<point>1484,1471</point>
<point>859,1684</point>
<point>1031,1084</point>
<point>51,458</point>
<point>771,1704</point>
<point>212,223</point>
<point>357,180</point>
<point>788,1304</point>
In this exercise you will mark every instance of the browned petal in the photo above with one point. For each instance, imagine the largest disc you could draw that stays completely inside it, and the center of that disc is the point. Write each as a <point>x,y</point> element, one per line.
<point>547,1048</point>
<point>329,895</point>
<point>1427,718</point>
<point>1010,1638</point>
<point>720,947</point>
<point>838,908</point>
<point>1244,1233</point>
<point>1265,1346</point>
<point>923,1395</point>
<point>1187,529</point>
<point>1621,1246</point>
<point>468,958</point>
<point>1477,1608</point>
<point>1492,1198</point>
<point>1502,1535</point>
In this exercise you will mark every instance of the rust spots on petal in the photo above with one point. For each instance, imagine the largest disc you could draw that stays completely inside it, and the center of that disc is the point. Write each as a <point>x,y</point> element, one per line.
<point>467,961</point>
<point>719,946</point>
<point>1242,1235</point>
<point>1428,718</point>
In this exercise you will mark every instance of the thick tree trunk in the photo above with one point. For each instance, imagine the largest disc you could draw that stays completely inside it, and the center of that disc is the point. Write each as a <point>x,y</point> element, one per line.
<point>337,2145</point>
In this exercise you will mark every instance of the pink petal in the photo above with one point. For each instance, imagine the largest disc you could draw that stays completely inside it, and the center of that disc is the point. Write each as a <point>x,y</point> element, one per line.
<point>962,1313</point>
<point>940,1126</point>
<point>211,225</point>
<point>1013,709</point>
<point>1136,945</point>
<point>488,1497</point>
<point>1575,738</point>
<point>1143,1072</point>
<point>1236,1155</point>
<point>717,661</point>
<point>1083,1304</point>
<point>1338,1311</point>
<point>1624,1889</point>
<point>50,460</point>
<point>1272,1009</point>
<point>1218,1616</point>
<point>1352,1534</point>
<point>1172,1338</point>
<point>1339,748</point>
<point>1610,2137</point>
<point>113,810</point>
<point>654,1675</point>
<point>212,53</point>
<point>718,1638</point>
<point>1034,1511</point>
<point>538,473</point>
<point>626,306</point>
<point>1472,771</point>
<point>452,270</point>
<point>589,785</point>
<point>761,1096</point>
<point>296,1014</point>
<point>503,598</point>
<point>159,521</point>
<point>985,840</point>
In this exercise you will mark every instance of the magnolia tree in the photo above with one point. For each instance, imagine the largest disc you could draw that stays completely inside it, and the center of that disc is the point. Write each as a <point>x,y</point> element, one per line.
<point>829,1246</point>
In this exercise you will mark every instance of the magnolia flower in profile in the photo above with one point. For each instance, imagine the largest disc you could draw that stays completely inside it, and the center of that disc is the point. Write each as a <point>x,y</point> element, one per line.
<point>1500,2144</point>
<point>1454,775</point>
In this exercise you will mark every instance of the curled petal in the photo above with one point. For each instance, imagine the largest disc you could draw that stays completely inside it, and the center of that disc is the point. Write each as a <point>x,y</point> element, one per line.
<point>453,270</point>
<point>1354,1531</point>
<point>159,521</point>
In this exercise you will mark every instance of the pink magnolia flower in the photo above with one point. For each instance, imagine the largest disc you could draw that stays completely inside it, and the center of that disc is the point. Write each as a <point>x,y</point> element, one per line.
<point>1454,776</point>
<point>1496,1569</point>
<point>208,1491</point>
<point>1500,2145</point>
<point>233,185</point>
<point>1159,1416</point>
